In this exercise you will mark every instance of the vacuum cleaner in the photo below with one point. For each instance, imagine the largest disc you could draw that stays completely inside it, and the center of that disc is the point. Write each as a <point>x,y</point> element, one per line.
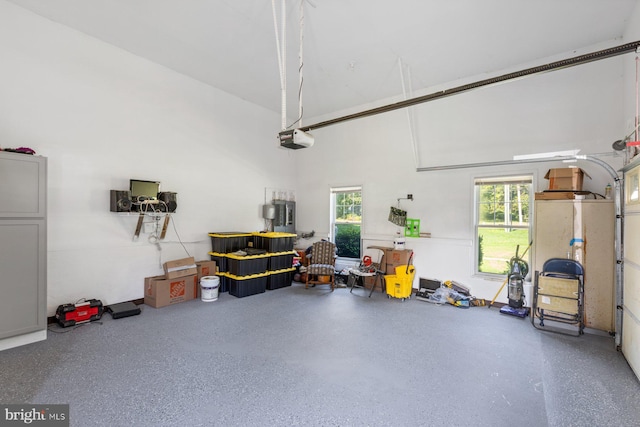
<point>518,270</point>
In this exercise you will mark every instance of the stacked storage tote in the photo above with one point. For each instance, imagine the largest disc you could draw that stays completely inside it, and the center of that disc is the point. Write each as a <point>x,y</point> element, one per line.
<point>279,246</point>
<point>223,244</point>
<point>266,261</point>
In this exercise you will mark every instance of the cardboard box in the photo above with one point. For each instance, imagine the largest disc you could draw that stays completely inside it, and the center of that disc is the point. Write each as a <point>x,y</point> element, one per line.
<point>567,179</point>
<point>392,258</point>
<point>206,268</point>
<point>180,268</point>
<point>372,281</point>
<point>396,257</point>
<point>160,291</point>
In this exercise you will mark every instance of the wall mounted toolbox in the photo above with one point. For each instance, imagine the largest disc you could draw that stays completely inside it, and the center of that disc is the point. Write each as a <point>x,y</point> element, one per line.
<point>244,286</point>
<point>280,279</point>
<point>274,241</point>
<point>239,265</point>
<point>281,260</point>
<point>229,241</point>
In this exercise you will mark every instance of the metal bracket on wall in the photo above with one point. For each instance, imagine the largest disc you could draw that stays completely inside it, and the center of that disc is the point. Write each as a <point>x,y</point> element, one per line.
<point>409,197</point>
<point>167,218</point>
<point>139,226</point>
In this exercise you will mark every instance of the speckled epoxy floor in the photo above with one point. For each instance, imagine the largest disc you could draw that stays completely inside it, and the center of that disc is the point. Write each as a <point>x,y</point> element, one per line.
<point>310,357</point>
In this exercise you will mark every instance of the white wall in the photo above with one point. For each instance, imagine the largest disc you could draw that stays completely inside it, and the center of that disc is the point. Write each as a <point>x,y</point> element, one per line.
<point>631,34</point>
<point>574,108</point>
<point>103,116</point>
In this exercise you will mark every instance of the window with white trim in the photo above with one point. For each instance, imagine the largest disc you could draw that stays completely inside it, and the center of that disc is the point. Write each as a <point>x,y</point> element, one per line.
<point>503,207</point>
<point>346,220</point>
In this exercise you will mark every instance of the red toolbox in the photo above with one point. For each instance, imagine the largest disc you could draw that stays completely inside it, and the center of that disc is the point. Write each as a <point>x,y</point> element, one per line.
<point>80,312</point>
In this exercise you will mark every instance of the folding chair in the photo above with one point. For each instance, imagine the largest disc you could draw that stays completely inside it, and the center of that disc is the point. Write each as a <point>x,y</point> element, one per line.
<point>558,296</point>
<point>369,267</point>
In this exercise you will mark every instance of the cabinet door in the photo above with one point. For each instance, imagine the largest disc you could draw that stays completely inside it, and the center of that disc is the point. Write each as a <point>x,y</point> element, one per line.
<point>599,260</point>
<point>23,281</point>
<point>553,230</point>
<point>557,224</point>
<point>22,186</point>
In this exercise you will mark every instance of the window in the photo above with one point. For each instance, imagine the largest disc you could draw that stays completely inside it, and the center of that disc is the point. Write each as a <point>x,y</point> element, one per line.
<point>502,221</point>
<point>633,187</point>
<point>346,220</point>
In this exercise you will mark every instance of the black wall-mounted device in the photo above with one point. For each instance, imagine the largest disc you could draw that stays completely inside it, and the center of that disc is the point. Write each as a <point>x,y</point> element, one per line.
<point>168,201</point>
<point>120,201</point>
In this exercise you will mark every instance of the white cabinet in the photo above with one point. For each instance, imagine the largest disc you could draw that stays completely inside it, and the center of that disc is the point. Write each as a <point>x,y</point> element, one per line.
<point>23,252</point>
<point>583,230</point>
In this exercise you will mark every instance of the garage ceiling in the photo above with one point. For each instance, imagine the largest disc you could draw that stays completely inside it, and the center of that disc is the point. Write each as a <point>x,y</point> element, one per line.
<point>352,48</point>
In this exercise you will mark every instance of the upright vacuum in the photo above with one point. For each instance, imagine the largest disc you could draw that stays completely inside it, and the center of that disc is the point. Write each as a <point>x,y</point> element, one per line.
<point>518,270</point>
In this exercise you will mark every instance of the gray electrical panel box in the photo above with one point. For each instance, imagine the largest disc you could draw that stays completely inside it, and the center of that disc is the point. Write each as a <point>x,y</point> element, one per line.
<point>268,211</point>
<point>285,216</point>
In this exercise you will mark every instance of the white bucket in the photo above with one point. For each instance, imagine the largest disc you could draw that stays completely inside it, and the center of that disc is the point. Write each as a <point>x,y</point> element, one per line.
<point>398,243</point>
<point>209,286</point>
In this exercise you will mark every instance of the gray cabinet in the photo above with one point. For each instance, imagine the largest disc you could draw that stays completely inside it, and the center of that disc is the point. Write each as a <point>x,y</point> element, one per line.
<point>23,250</point>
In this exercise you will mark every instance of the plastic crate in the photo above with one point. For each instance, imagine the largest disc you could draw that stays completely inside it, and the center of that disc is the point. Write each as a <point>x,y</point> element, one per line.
<point>274,241</point>
<point>229,242</point>
<point>280,279</point>
<point>221,261</point>
<point>224,282</point>
<point>245,265</point>
<point>281,260</point>
<point>244,286</point>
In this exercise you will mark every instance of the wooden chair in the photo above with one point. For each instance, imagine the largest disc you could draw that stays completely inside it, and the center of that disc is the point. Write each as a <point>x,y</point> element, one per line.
<point>321,269</point>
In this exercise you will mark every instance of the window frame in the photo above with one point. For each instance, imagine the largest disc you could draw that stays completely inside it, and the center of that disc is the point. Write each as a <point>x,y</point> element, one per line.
<point>521,178</point>
<point>333,192</point>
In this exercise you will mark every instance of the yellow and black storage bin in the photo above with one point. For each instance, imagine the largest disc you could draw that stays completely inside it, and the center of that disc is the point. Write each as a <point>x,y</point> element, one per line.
<point>281,260</point>
<point>229,241</point>
<point>244,286</point>
<point>280,278</point>
<point>243,265</point>
<point>274,241</point>
<point>220,259</point>
<point>224,282</point>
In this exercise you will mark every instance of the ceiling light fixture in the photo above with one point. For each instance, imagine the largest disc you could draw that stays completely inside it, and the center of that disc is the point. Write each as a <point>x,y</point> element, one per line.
<point>548,155</point>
